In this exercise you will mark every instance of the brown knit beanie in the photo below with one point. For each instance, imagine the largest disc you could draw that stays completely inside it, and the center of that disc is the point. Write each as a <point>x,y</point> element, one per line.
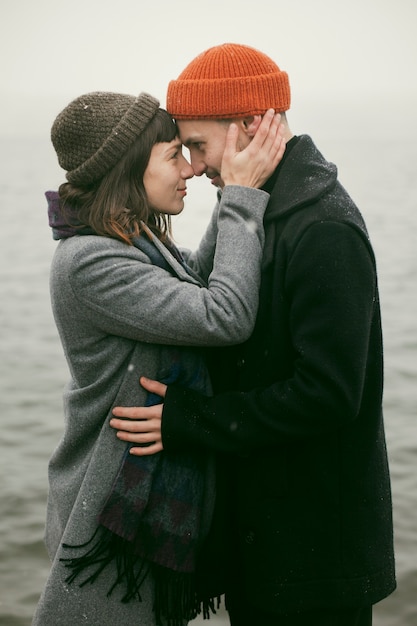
<point>95,130</point>
<point>227,81</point>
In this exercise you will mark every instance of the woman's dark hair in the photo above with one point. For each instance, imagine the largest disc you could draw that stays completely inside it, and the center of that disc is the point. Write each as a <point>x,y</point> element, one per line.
<point>115,205</point>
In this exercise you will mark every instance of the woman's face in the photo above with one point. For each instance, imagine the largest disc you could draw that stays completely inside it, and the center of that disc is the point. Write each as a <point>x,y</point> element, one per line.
<point>165,177</point>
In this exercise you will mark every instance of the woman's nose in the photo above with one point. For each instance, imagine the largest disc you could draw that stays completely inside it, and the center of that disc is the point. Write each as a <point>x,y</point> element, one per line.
<point>187,170</point>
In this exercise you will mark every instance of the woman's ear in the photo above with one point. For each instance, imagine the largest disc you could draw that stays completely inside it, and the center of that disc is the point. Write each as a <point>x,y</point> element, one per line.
<point>251,124</point>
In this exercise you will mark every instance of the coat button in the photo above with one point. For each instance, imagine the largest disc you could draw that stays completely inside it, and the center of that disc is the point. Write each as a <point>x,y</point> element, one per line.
<point>250,537</point>
<point>241,363</point>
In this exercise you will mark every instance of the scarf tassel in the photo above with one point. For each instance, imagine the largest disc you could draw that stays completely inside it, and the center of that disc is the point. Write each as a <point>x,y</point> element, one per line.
<point>176,597</point>
<point>177,600</point>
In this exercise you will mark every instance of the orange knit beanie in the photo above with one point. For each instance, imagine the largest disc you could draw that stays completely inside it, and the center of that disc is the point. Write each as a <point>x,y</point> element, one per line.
<point>228,81</point>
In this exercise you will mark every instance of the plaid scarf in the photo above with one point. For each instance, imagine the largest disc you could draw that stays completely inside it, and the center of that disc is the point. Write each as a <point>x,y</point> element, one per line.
<point>159,508</point>
<point>153,522</point>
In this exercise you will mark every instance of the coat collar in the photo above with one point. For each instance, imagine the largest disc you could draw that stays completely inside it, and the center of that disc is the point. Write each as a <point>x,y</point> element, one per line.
<point>303,177</point>
<point>169,260</point>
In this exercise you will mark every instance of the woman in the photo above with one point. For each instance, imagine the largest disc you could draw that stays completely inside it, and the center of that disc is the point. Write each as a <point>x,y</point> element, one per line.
<point>124,533</point>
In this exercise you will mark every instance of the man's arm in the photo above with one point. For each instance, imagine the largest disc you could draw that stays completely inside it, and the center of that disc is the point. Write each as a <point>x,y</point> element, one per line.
<point>142,425</point>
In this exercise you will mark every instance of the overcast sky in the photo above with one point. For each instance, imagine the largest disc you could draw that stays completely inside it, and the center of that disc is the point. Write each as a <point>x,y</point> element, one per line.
<point>335,51</point>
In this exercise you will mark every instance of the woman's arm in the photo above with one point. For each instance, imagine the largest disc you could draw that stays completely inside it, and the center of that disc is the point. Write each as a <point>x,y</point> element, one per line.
<point>124,294</point>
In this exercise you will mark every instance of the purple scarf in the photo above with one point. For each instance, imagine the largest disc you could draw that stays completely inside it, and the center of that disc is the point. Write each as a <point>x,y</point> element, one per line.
<point>63,225</point>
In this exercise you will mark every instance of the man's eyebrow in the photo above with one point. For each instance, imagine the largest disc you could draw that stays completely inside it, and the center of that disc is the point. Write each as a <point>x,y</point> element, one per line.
<point>190,140</point>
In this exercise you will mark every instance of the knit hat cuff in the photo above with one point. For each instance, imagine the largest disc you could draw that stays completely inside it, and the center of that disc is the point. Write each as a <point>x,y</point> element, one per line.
<point>124,134</point>
<point>226,98</point>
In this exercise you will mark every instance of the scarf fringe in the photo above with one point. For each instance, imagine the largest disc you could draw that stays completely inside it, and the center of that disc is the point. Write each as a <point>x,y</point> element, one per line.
<point>176,597</point>
<point>177,600</point>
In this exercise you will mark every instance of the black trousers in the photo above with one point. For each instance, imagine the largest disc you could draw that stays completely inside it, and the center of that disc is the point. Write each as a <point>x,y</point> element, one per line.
<point>240,614</point>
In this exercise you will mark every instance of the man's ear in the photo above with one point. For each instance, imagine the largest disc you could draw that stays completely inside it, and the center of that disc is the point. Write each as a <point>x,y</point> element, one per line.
<point>251,124</point>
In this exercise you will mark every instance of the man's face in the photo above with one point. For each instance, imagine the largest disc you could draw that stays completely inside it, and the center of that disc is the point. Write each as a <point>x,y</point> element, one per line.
<point>206,141</point>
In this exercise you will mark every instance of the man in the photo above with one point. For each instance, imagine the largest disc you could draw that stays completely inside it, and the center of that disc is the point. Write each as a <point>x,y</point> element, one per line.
<point>296,419</point>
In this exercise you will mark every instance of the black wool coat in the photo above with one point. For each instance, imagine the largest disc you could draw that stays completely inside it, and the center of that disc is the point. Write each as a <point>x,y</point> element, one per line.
<point>297,415</point>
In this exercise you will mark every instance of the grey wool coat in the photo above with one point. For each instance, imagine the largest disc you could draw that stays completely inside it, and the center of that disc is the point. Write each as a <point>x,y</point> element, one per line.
<point>119,317</point>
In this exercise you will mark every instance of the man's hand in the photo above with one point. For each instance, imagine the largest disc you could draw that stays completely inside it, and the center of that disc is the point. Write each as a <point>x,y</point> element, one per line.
<point>141,424</point>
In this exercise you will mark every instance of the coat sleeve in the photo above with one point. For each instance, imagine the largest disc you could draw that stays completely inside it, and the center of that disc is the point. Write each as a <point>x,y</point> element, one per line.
<point>201,260</point>
<point>123,294</point>
<point>331,288</point>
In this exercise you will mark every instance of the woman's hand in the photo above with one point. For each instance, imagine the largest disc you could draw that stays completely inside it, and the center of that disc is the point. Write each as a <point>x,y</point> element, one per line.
<point>141,425</point>
<point>252,166</point>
